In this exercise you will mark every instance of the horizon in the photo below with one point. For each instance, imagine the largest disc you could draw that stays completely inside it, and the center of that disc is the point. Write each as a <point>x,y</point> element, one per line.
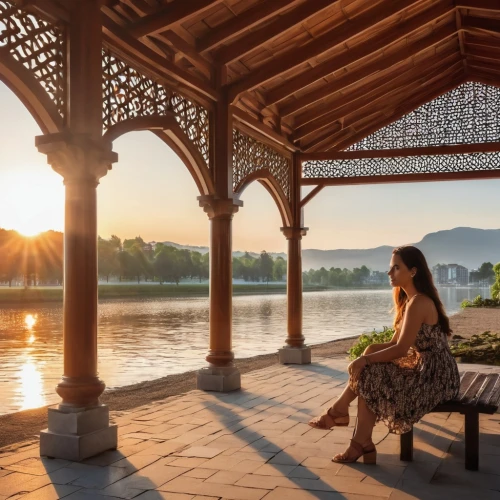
<point>150,193</point>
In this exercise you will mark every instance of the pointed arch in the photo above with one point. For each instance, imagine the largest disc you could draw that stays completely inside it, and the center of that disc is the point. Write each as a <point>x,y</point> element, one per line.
<point>29,91</point>
<point>169,131</point>
<point>266,178</point>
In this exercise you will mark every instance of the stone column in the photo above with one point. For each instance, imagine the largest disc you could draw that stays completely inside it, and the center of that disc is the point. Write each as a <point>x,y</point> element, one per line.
<point>79,427</point>
<point>221,374</point>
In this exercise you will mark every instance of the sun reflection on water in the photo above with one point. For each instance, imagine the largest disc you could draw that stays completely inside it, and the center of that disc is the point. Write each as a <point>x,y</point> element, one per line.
<point>30,321</point>
<point>31,390</point>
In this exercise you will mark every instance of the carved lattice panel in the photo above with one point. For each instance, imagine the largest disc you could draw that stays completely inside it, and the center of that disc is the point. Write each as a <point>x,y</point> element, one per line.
<point>129,94</point>
<point>468,114</point>
<point>250,155</point>
<point>330,169</point>
<point>39,46</point>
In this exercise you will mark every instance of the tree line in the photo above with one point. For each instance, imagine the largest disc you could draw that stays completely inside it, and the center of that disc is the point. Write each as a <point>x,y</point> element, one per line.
<point>39,261</point>
<point>343,277</point>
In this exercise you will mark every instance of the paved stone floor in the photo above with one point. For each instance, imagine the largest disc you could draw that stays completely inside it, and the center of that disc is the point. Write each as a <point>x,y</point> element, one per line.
<point>255,444</point>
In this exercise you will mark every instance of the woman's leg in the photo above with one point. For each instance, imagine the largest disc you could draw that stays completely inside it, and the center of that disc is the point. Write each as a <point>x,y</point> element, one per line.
<point>366,422</point>
<point>341,405</point>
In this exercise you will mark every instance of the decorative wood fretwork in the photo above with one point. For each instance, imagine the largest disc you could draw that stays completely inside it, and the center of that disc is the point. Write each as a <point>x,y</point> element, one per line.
<point>129,94</point>
<point>466,115</point>
<point>39,46</point>
<point>251,155</point>
<point>369,167</point>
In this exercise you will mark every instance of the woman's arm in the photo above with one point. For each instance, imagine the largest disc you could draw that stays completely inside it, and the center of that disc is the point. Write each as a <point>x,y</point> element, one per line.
<point>414,317</point>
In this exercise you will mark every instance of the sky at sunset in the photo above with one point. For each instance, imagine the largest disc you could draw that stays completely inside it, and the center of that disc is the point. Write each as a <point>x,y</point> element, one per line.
<point>150,193</point>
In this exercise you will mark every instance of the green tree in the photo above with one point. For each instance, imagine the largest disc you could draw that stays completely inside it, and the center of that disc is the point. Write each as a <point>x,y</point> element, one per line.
<point>107,252</point>
<point>495,289</point>
<point>279,269</point>
<point>266,267</point>
<point>486,272</point>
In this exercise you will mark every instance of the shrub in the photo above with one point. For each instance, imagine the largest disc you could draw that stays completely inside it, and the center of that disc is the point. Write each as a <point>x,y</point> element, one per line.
<point>480,302</point>
<point>370,338</point>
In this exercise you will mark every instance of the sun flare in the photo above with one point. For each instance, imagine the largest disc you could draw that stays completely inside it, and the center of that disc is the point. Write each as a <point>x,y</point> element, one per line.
<point>33,201</point>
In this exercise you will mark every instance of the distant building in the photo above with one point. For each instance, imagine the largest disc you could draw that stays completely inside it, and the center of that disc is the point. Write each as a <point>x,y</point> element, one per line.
<point>440,274</point>
<point>450,274</point>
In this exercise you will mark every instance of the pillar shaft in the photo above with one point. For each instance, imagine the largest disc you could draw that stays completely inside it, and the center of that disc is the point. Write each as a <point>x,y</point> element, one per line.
<point>81,162</point>
<point>294,286</point>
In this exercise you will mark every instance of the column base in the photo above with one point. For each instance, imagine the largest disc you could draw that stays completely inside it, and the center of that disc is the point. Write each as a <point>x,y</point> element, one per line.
<point>79,434</point>
<point>217,379</point>
<point>294,355</point>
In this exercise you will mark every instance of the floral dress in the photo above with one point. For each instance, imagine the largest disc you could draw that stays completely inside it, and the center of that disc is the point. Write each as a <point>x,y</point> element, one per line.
<point>402,391</point>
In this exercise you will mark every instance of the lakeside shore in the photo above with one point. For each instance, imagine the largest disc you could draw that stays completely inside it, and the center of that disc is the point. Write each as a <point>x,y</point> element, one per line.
<point>38,295</point>
<point>23,426</point>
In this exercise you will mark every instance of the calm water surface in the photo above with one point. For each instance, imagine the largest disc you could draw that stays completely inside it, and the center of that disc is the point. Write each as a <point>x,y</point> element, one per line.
<point>148,339</point>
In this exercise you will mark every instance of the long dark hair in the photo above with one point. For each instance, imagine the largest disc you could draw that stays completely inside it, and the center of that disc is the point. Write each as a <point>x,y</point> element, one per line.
<point>414,258</point>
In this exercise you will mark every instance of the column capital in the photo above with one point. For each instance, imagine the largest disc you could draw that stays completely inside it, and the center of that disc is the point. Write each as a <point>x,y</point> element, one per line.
<point>216,207</point>
<point>294,233</point>
<point>77,157</point>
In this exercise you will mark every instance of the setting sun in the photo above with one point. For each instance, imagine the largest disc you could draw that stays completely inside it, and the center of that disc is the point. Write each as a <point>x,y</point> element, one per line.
<point>33,201</point>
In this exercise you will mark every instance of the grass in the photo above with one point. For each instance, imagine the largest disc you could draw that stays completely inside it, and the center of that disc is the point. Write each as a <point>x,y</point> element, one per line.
<point>38,295</point>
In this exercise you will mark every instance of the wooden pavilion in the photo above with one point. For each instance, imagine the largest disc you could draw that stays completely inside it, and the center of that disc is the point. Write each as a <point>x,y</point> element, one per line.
<point>286,92</point>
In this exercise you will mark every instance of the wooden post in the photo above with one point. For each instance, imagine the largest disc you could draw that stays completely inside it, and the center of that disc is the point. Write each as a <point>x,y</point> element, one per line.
<point>80,428</point>
<point>406,443</point>
<point>295,352</point>
<point>471,440</point>
<point>221,374</point>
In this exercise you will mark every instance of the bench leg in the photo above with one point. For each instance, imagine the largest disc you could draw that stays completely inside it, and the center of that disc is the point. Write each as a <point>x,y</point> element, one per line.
<point>406,446</point>
<point>471,440</point>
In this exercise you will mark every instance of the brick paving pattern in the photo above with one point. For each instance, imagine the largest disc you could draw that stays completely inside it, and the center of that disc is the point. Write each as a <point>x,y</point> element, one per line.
<point>255,444</point>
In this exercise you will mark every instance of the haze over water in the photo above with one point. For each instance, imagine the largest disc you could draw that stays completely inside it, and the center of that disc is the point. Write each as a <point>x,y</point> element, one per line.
<point>147,339</point>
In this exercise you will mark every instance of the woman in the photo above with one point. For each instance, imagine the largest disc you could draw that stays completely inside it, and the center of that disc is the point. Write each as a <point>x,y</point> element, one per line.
<point>398,382</point>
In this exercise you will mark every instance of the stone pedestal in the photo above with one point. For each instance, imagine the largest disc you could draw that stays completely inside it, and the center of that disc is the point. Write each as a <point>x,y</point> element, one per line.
<point>294,355</point>
<point>78,434</point>
<point>224,379</point>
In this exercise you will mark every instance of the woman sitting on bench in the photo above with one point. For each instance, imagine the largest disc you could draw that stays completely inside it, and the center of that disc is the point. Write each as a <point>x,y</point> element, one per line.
<point>398,382</point>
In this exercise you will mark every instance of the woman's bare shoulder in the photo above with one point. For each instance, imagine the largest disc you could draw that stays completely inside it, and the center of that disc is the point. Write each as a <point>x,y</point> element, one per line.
<point>423,304</point>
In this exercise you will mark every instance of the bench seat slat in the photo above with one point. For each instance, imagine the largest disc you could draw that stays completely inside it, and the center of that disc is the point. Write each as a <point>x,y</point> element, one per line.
<point>490,389</point>
<point>494,400</point>
<point>473,389</point>
<point>465,381</point>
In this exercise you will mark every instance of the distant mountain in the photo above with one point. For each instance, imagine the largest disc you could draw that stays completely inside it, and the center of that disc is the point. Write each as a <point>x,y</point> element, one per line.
<point>466,246</point>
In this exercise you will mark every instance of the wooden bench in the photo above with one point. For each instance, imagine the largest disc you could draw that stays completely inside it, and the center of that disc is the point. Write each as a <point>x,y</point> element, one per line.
<point>479,393</point>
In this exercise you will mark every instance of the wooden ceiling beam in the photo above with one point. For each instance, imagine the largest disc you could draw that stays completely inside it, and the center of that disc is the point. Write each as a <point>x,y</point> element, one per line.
<point>484,77</point>
<point>173,13</point>
<point>474,64</point>
<point>352,77</point>
<point>400,178</point>
<point>316,47</point>
<point>367,92</point>
<point>361,51</point>
<point>488,41</point>
<point>403,109</point>
<point>479,24</point>
<point>483,53</point>
<point>270,31</point>
<point>246,20</point>
<point>487,5</point>
<point>157,66</point>
<point>189,52</point>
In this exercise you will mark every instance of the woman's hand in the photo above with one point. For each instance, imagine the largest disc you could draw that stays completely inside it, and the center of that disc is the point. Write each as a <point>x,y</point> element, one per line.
<point>356,367</point>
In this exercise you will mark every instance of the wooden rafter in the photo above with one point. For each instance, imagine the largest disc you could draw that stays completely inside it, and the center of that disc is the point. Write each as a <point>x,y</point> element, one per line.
<point>244,21</point>
<point>474,24</point>
<point>401,178</point>
<point>483,53</point>
<point>172,13</point>
<point>366,94</point>
<point>270,31</point>
<point>156,65</point>
<point>361,51</point>
<point>318,46</point>
<point>350,78</point>
<point>487,5</point>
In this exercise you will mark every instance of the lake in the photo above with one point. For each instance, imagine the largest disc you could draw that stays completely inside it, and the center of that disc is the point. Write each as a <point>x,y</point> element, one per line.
<point>147,339</point>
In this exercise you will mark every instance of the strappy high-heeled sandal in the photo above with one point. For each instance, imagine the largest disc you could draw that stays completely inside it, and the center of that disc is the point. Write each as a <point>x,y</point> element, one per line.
<point>328,420</point>
<point>368,452</point>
